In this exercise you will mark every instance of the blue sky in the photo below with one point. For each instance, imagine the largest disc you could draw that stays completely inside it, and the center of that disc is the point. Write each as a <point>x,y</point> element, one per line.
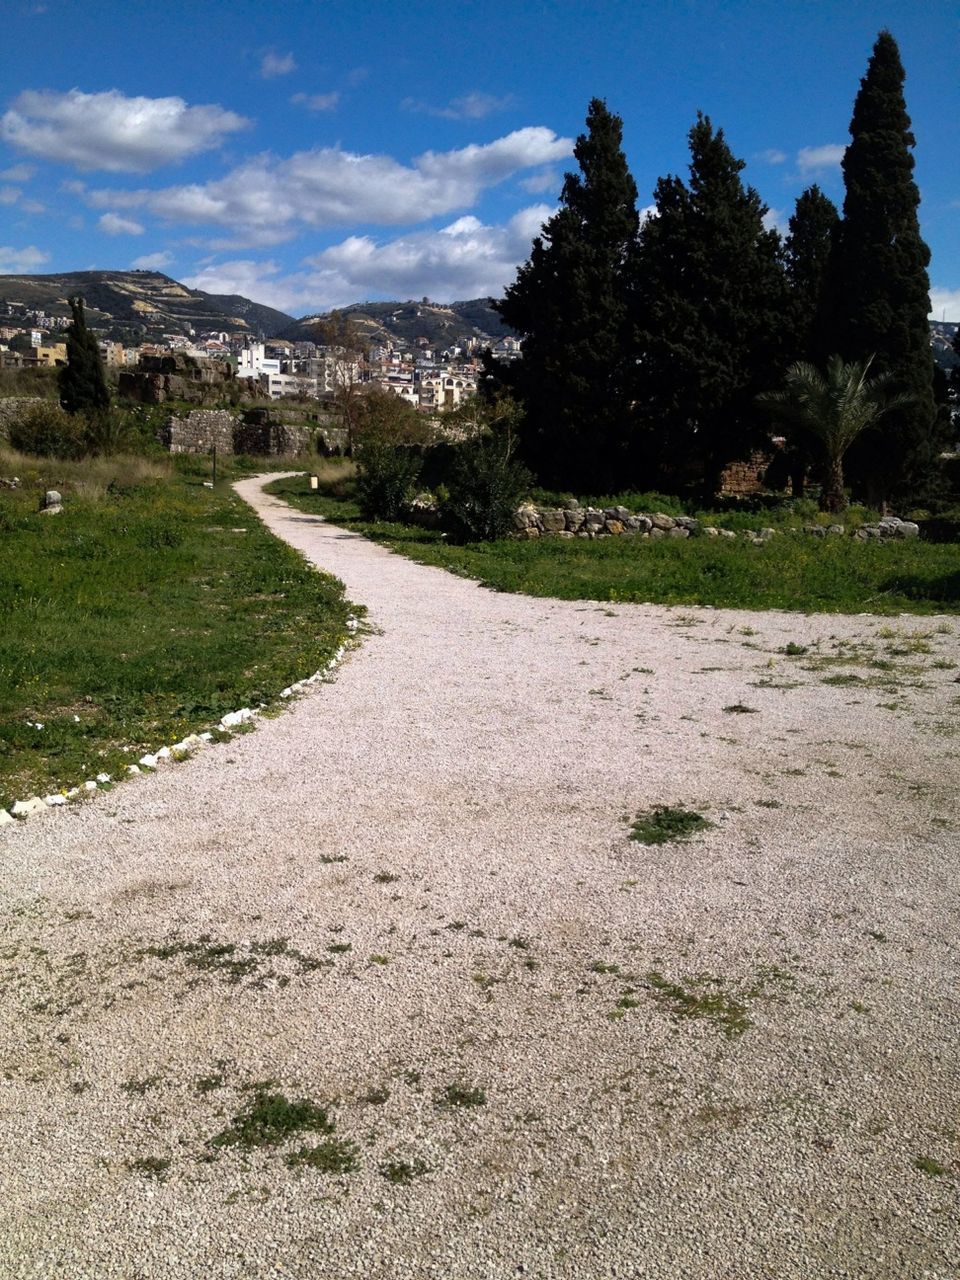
<point>314,154</point>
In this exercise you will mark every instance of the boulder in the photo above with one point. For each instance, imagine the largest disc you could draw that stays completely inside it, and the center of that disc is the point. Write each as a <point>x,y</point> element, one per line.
<point>613,526</point>
<point>552,521</point>
<point>662,522</point>
<point>573,519</point>
<point>678,532</point>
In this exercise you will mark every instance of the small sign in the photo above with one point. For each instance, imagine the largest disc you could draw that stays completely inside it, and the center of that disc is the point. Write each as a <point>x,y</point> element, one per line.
<point>314,482</point>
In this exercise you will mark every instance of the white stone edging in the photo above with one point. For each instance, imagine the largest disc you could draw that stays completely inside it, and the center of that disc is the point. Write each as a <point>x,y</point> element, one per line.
<point>151,760</point>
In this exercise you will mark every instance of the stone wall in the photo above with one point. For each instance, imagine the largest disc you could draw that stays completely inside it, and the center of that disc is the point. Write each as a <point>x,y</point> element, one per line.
<point>177,376</point>
<point>745,477</point>
<point>257,432</point>
<point>11,407</point>
<point>574,521</point>
<point>201,431</point>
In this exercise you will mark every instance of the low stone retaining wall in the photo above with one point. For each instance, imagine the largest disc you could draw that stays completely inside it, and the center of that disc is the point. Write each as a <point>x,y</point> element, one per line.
<point>612,522</point>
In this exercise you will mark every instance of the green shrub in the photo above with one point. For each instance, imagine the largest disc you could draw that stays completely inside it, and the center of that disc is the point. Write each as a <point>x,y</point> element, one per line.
<point>47,431</point>
<point>386,478</point>
<point>485,487</point>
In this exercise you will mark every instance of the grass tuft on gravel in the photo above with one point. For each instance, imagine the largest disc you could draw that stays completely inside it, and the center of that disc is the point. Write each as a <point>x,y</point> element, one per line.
<point>270,1118</point>
<point>664,824</point>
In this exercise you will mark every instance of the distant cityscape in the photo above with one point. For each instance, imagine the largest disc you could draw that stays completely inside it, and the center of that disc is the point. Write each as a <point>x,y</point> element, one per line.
<point>425,375</point>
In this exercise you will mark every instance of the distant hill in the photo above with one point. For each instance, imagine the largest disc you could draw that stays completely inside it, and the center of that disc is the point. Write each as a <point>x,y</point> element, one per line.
<point>942,334</point>
<point>144,299</point>
<point>440,323</point>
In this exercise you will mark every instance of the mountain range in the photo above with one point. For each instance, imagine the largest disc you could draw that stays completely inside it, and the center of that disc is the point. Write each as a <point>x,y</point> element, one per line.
<point>155,304</point>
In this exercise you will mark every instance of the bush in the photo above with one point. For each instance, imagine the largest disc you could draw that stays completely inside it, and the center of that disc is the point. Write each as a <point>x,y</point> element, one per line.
<point>386,478</point>
<point>486,486</point>
<point>47,431</point>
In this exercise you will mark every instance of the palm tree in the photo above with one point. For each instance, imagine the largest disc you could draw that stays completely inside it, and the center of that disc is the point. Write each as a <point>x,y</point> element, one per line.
<point>835,407</point>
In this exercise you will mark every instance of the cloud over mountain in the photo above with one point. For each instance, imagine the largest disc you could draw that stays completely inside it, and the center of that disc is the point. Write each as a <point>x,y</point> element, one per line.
<point>462,260</point>
<point>328,187</point>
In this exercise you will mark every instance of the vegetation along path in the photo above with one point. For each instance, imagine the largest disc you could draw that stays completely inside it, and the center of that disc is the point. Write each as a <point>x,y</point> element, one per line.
<point>386,989</point>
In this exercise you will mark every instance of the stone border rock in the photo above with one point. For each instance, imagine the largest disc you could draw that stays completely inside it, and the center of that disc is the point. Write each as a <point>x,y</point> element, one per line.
<point>151,760</point>
<point>574,521</point>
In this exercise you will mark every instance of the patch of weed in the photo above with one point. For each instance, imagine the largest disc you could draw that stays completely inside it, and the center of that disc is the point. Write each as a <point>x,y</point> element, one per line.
<point>385,877</point>
<point>459,1095</point>
<point>376,1097</point>
<point>683,1002</point>
<point>269,1118</point>
<point>140,1087</point>
<point>403,1172</point>
<point>336,1155</point>
<point>932,1168</point>
<point>149,1167</point>
<point>664,823</point>
<point>740,709</point>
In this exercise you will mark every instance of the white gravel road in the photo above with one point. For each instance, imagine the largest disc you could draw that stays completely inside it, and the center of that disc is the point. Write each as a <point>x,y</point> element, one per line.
<point>731,1057</point>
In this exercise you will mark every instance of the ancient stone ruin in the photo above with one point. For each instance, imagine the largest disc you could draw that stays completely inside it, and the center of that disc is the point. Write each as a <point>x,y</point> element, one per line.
<point>177,376</point>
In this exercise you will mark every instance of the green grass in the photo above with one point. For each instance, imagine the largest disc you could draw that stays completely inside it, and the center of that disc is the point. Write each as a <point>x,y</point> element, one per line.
<point>665,824</point>
<point>791,571</point>
<point>140,614</point>
<point>270,1118</point>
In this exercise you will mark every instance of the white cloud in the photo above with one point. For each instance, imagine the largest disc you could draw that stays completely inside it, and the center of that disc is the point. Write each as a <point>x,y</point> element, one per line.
<point>275,64</point>
<point>776,220</point>
<point>813,159</point>
<point>773,155</point>
<point>545,180</point>
<point>111,131</point>
<point>316,101</point>
<point>15,261</point>
<point>465,259</point>
<point>18,173</point>
<point>327,187</point>
<point>152,261</point>
<point>945,300</point>
<point>114,225</point>
<point>14,196</point>
<point>472,106</point>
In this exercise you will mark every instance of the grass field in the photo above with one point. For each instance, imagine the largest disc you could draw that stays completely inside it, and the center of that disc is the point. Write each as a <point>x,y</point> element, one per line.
<point>144,611</point>
<point>791,571</point>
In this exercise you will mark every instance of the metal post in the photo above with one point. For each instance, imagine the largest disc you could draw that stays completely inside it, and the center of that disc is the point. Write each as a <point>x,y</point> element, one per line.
<point>214,464</point>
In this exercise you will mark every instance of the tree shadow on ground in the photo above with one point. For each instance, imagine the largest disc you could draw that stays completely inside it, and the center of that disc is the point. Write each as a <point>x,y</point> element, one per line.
<point>944,590</point>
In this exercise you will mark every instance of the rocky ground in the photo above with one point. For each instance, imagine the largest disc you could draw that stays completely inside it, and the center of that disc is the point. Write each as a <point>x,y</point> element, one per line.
<point>384,989</point>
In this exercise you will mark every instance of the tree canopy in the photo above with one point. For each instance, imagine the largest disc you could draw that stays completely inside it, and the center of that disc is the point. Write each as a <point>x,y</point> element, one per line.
<point>879,288</point>
<point>83,384</point>
<point>709,295</point>
<point>569,304</point>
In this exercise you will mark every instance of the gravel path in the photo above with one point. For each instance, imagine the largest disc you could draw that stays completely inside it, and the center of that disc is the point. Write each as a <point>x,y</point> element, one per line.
<point>559,1052</point>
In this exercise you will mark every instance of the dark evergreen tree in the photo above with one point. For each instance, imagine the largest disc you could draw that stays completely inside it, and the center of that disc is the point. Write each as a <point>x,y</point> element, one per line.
<point>809,244</point>
<point>83,384</point>
<point>807,250</point>
<point>709,296</point>
<point>879,289</point>
<point>569,305</point>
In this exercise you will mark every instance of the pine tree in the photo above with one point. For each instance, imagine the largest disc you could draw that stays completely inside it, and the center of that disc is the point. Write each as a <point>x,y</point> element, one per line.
<point>709,297</point>
<point>82,382</point>
<point>880,291</point>
<point>569,304</point>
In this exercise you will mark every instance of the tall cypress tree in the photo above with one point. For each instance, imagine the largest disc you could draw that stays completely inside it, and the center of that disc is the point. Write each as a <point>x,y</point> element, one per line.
<point>709,296</point>
<point>569,304</point>
<point>808,247</point>
<point>82,382</point>
<point>880,291</point>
